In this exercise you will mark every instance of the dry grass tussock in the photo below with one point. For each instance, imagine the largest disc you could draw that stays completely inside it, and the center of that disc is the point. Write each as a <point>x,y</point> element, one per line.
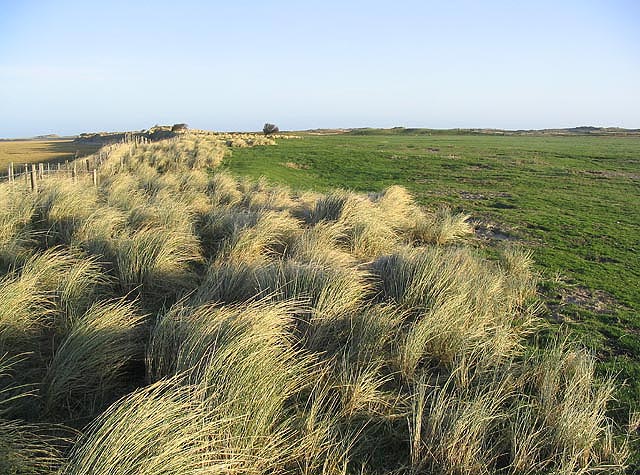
<point>87,367</point>
<point>17,208</point>
<point>188,153</point>
<point>187,322</point>
<point>24,447</point>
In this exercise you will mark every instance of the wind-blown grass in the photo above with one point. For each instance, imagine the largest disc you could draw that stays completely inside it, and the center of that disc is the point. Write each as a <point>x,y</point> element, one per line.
<point>366,233</point>
<point>441,227</point>
<point>156,260</point>
<point>63,207</point>
<point>23,309</point>
<point>319,245</point>
<point>88,366</point>
<point>24,448</point>
<point>17,208</point>
<point>242,357</point>
<point>165,428</point>
<point>266,238</point>
<point>460,307</point>
<point>70,279</point>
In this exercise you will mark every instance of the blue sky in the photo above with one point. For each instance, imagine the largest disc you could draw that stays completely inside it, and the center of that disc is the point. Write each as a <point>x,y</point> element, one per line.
<point>73,66</point>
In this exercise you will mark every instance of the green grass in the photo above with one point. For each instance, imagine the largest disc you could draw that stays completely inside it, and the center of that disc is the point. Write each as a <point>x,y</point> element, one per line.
<point>573,200</point>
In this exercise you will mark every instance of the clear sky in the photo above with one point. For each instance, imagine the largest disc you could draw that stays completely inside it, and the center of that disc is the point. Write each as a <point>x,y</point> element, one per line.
<point>74,66</point>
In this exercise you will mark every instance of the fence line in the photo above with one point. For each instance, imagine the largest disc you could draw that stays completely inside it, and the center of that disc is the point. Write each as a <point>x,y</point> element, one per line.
<point>38,174</point>
<point>85,166</point>
<point>33,173</point>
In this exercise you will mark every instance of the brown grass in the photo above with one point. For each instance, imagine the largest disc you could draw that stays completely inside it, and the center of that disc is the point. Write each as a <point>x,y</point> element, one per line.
<point>40,151</point>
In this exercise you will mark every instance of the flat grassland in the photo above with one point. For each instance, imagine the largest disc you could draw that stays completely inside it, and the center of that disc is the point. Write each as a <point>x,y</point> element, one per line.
<point>40,151</point>
<point>574,200</point>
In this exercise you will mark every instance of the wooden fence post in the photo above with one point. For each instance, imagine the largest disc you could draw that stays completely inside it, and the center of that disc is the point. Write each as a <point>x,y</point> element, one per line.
<point>88,169</point>
<point>26,173</point>
<point>74,173</point>
<point>95,177</point>
<point>40,171</point>
<point>11,179</point>
<point>34,179</point>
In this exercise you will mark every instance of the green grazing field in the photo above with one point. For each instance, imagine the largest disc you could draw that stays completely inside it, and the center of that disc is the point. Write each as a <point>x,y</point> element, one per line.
<point>574,200</point>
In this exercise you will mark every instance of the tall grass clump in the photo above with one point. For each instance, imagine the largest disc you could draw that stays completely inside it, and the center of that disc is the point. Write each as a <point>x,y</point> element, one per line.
<point>454,432</point>
<point>570,407</point>
<point>39,302</point>
<point>398,208</point>
<point>320,245</point>
<point>460,306</point>
<point>246,236</point>
<point>70,280</point>
<point>24,448</point>
<point>422,278</point>
<point>259,195</point>
<point>227,282</point>
<point>121,191</point>
<point>220,225</point>
<point>17,208</point>
<point>369,335</point>
<point>330,292</point>
<point>165,428</point>
<point>162,210</point>
<point>499,423</point>
<point>243,359</point>
<point>63,207</point>
<point>223,189</point>
<point>441,227</point>
<point>268,237</point>
<point>97,234</point>
<point>189,189</point>
<point>24,309</point>
<point>88,367</point>
<point>366,232</point>
<point>156,260</point>
<point>191,151</point>
<point>44,292</point>
<point>520,279</point>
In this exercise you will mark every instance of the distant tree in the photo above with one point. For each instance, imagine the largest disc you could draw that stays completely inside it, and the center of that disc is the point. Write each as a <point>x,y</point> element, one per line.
<point>269,129</point>
<point>179,127</point>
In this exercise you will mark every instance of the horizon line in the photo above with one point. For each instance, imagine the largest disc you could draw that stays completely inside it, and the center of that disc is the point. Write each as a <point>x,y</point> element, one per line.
<point>346,129</point>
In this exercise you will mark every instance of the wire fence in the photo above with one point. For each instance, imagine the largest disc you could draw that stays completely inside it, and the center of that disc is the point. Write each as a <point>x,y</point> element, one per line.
<point>31,174</point>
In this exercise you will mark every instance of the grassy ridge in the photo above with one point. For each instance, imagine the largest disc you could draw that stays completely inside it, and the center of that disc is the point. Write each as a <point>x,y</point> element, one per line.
<point>574,200</point>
